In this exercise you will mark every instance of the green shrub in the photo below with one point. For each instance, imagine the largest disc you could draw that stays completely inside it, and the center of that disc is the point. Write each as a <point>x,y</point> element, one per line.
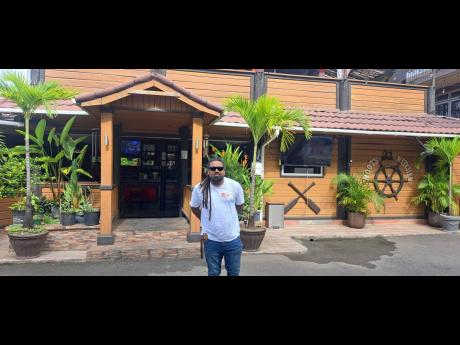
<point>18,229</point>
<point>355,194</point>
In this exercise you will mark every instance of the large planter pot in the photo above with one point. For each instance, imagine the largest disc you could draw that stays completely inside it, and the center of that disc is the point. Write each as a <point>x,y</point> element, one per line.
<point>252,238</point>
<point>27,246</point>
<point>67,219</point>
<point>356,220</point>
<point>434,219</point>
<point>79,218</point>
<point>92,218</point>
<point>450,223</point>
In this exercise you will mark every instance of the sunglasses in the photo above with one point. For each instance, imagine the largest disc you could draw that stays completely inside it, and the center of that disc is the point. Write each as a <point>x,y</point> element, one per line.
<point>216,168</point>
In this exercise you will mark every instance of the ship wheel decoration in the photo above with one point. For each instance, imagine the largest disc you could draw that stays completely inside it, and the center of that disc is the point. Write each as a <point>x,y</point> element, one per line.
<point>388,181</point>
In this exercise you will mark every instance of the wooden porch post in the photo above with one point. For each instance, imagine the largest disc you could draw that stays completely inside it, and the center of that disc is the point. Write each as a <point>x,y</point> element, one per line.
<point>107,146</point>
<point>197,164</point>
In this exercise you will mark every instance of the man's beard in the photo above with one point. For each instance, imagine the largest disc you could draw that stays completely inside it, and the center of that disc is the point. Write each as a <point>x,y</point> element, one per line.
<point>217,179</point>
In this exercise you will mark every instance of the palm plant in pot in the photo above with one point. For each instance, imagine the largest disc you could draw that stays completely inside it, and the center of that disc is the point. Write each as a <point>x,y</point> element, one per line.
<point>29,98</point>
<point>265,116</point>
<point>355,195</point>
<point>447,151</point>
<point>433,193</point>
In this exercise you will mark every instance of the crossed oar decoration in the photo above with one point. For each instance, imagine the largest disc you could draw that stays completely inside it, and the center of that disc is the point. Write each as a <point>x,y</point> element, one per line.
<point>310,203</point>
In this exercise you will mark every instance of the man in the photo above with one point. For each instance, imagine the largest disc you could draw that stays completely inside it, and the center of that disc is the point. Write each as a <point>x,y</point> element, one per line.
<point>217,200</point>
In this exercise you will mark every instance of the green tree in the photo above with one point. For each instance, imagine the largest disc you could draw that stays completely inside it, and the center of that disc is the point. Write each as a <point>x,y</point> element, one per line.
<point>29,98</point>
<point>447,150</point>
<point>267,116</point>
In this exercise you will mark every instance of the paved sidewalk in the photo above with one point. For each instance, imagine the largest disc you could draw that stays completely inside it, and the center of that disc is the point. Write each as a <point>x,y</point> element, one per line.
<point>276,241</point>
<point>282,241</point>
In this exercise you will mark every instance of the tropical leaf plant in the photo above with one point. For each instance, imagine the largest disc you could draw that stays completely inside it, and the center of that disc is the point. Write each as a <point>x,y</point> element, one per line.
<point>16,88</point>
<point>52,154</point>
<point>433,192</point>
<point>265,117</point>
<point>446,149</point>
<point>355,194</point>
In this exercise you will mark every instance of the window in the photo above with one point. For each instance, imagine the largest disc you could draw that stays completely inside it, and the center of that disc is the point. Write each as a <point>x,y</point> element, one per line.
<point>442,109</point>
<point>455,94</point>
<point>301,171</point>
<point>24,72</point>
<point>442,98</point>
<point>455,109</point>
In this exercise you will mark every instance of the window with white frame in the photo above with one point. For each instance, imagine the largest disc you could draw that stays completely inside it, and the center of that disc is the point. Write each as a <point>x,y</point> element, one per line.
<point>301,171</point>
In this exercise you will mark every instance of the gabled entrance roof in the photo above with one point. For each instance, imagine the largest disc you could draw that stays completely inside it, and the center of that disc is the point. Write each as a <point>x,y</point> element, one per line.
<point>151,80</point>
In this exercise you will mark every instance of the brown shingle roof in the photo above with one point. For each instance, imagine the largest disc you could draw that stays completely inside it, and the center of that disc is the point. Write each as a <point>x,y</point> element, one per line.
<point>145,78</point>
<point>372,121</point>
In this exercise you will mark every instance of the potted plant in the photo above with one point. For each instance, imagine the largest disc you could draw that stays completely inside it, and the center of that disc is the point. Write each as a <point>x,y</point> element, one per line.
<point>355,195</point>
<point>68,213</point>
<point>265,116</point>
<point>19,211</point>
<point>16,88</point>
<point>91,214</point>
<point>27,242</point>
<point>433,193</point>
<point>446,150</point>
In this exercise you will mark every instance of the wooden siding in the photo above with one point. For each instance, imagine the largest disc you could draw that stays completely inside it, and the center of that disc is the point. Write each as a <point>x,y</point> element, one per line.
<point>6,215</point>
<point>304,93</point>
<point>365,148</point>
<point>387,99</point>
<point>91,80</point>
<point>323,193</point>
<point>153,103</point>
<point>151,122</point>
<point>214,87</point>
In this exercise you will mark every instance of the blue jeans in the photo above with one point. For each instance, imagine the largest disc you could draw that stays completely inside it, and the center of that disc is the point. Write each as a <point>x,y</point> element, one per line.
<point>230,251</point>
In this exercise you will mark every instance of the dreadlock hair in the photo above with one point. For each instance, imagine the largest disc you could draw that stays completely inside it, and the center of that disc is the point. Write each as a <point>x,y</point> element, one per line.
<point>205,185</point>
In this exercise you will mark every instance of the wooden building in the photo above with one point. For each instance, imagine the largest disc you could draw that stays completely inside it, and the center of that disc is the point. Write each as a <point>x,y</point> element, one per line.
<point>149,130</point>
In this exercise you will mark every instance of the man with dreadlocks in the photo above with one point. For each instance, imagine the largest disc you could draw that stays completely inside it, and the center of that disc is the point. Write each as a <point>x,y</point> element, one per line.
<point>217,200</point>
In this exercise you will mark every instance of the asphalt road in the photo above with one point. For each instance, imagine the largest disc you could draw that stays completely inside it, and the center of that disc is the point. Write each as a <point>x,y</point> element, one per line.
<point>397,256</point>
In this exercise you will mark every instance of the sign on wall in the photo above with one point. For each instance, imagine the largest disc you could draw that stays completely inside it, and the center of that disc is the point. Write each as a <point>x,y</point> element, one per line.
<point>388,174</point>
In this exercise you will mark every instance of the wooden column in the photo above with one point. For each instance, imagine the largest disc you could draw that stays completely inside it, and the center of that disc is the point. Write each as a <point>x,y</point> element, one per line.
<point>107,146</point>
<point>197,163</point>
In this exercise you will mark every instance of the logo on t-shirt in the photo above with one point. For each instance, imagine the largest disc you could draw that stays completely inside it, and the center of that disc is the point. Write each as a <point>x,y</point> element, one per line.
<point>224,195</point>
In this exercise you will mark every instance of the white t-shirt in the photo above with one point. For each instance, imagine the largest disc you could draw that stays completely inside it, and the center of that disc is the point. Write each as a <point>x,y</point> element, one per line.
<point>224,225</point>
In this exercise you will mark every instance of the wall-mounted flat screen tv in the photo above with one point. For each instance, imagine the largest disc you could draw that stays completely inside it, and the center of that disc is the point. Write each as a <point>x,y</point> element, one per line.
<point>314,152</point>
<point>131,147</point>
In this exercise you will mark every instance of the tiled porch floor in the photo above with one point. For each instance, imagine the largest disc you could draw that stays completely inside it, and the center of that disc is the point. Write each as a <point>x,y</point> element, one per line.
<point>152,224</point>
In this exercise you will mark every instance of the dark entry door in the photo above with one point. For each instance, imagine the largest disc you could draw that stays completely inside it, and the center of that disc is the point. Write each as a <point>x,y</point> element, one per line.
<point>150,180</point>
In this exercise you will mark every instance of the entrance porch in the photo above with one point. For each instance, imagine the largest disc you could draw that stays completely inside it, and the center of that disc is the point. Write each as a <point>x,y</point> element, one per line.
<point>151,149</point>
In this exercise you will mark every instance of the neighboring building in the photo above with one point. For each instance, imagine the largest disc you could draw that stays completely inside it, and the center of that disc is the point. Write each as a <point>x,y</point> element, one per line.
<point>447,85</point>
<point>148,132</point>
